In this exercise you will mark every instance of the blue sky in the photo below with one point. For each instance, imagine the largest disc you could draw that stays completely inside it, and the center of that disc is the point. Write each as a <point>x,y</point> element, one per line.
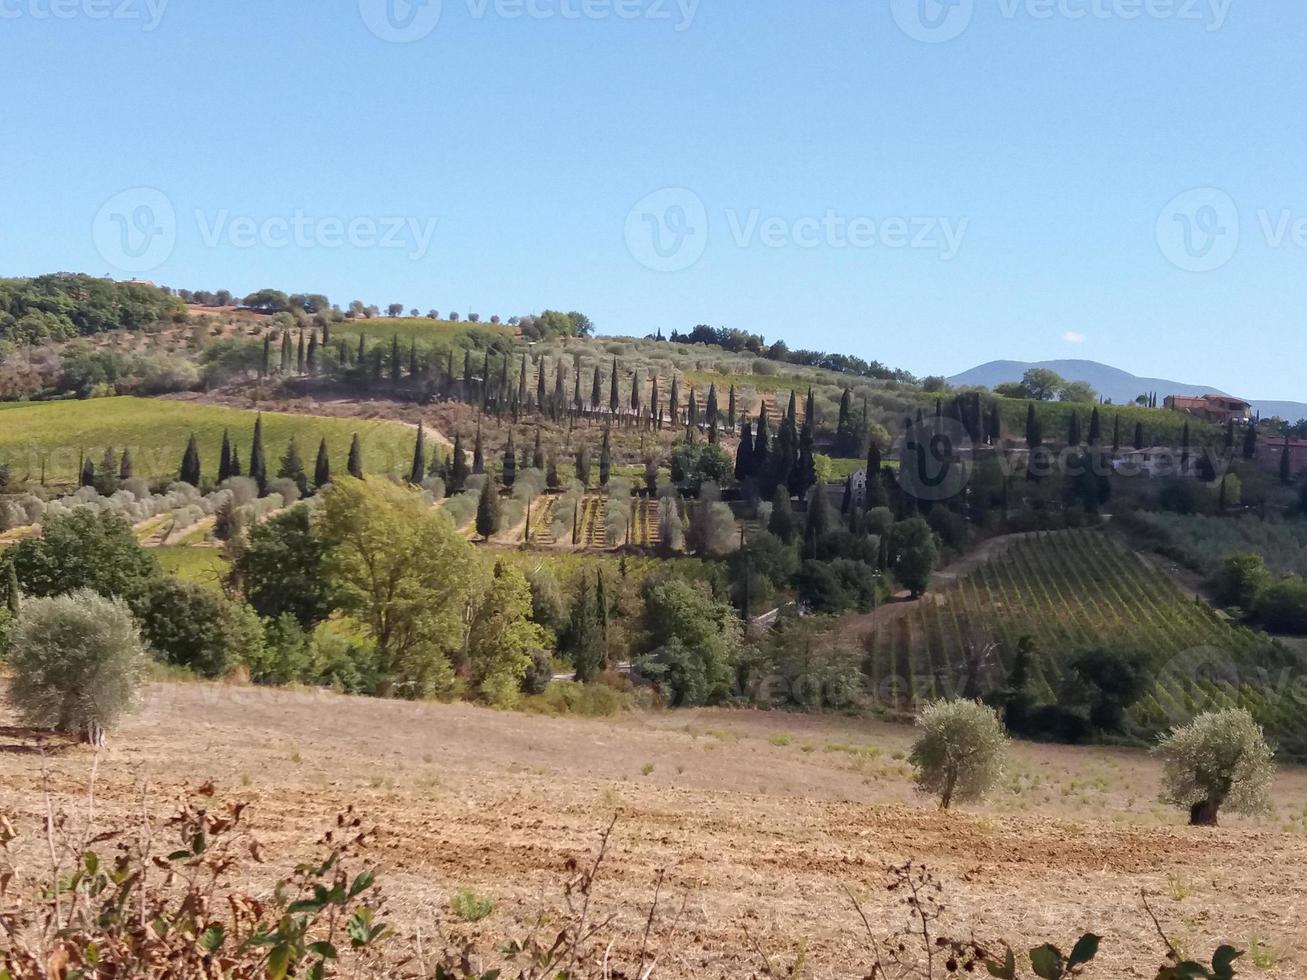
<point>1120,180</point>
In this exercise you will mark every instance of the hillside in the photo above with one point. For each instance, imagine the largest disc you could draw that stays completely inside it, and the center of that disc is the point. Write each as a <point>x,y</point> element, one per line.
<point>1120,386</point>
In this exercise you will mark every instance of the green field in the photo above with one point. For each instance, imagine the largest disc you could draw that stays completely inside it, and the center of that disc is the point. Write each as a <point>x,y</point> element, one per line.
<point>204,566</point>
<point>1071,591</point>
<point>408,329</point>
<point>57,434</point>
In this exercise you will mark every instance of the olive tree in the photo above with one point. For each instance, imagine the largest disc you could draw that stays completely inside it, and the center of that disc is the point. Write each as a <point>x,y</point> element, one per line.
<point>1220,759</point>
<point>960,751</point>
<point>78,662</point>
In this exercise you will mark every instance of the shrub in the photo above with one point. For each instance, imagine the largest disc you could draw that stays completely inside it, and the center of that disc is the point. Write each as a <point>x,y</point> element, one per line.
<point>78,662</point>
<point>191,626</point>
<point>572,698</point>
<point>1282,608</point>
<point>85,550</point>
<point>960,752</point>
<point>1241,580</point>
<point>468,906</point>
<point>913,553</point>
<point>1220,759</point>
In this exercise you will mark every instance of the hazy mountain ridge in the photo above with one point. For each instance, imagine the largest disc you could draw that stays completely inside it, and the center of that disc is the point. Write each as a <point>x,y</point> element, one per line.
<point>1118,385</point>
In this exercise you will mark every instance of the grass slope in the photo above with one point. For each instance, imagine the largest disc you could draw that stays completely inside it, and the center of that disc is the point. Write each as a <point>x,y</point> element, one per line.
<point>57,433</point>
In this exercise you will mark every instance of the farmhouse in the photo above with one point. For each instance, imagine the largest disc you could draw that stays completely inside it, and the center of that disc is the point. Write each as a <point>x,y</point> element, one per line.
<point>1211,408</point>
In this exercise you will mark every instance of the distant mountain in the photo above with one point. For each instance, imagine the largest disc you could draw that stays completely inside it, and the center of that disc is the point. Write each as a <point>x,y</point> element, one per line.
<point>1120,386</point>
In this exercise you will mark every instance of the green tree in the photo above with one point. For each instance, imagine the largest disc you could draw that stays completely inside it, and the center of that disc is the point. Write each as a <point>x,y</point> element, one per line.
<point>583,641</point>
<point>1218,761</point>
<point>960,751</point>
<point>913,554</point>
<point>690,642</point>
<point>488,510</point>
<point>77,664</point>
<point>190,469</point>
<point>354,466</point>
<point>502,637</point>
<point>281,570</point>
<point>292,467</point>
<point>322,466</point>
<point>458,469</point>
<point>605,458</point>
<point>84,550</point>
<point>224,458</point>
<point>418,471</point>
<point>782,522</point>
<point>405,573</point>
<point>191,626</point>
<point>258,463</point>
<point>1241,579</point>
<point>1042,383</point>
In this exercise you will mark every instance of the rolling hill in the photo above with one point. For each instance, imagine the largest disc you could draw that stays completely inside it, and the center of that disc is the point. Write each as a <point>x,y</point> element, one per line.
<point>1118,385</point>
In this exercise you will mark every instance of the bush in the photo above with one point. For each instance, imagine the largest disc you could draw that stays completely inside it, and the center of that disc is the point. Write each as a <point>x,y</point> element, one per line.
<point>1282,608</point>
<point>191,626</point>
<point>572,698</point>
<point>913,554</point>
<point>1241,580</point>
<point>85,550</point>
<point>1220,759</point>
<point>78,662</point>
<point>960,752</point>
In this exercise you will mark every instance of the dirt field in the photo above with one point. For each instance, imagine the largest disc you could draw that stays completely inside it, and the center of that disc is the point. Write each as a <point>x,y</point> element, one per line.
<point>764,817</point>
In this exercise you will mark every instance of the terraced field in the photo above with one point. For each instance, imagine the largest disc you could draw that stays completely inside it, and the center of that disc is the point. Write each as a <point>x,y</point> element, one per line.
<point>1071,591</point>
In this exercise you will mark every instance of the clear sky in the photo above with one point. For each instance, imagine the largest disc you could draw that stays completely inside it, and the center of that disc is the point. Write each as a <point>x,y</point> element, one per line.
<point>929,185</point>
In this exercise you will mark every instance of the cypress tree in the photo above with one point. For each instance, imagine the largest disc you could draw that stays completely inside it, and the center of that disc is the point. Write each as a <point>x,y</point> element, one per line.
<point>395,368</point>
<point>578,406</point>
<point>301,356</point>
<point>521,383</point>
<point>1095,427</point>
<point>1139,436</point>
<point>488,515</point>
<point>583,465</point>
<point>458,471</point>
<point>322,468</point>
<point>605,460</point>
<point>655,415</point>
<point>744,454</point>
<point>552,480</point>
<point>674,403</point>
<point>613,402</point>
<point>107,483</point>
<point>266,366</point>
<point>710,408</point>
<point>224,458</point>
<point>1034,433</point>
<point>478,455</point>
<point>361,353</point>
<point>419,468</point>
<point>1229,437</point>
<point>1286,464</point>
<point>1073,430</point>
<point>538,453</point>
<point>88,473</point>
<point>782,522</point>
<point>692,411</point>
<point>635,394</point>
<point>761,444</point>
<point>596,388</point>
<point>1250,441</point>
<point>819,518</point>
<point>601,610</point>
<point>540,386</point>
<point>13,594</point>
<point>285,352</point>
<point>235,461</point>
<point>467,376</point>
<point>792,411</point>
<point>874,463</point>
<point>510,463</point>
<point>258,464</point>
<point>730,410</point>
<point>355,463</point>
<point>582,639</point>
<point>292,467</point>
<point>125,466</point>
<point>190,469</point>
<point>560,380</point>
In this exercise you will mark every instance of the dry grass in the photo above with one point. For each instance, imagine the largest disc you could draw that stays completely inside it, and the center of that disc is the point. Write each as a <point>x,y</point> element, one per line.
<point>764,817</point>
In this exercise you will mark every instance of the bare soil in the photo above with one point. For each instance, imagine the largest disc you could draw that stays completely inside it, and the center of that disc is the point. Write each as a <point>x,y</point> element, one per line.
<point>763,818</point>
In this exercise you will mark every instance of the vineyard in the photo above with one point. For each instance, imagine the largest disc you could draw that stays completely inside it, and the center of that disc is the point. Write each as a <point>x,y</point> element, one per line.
<point>1072,591</point>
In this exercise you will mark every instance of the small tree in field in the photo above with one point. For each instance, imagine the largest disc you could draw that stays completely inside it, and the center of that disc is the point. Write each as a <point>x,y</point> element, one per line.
<point>1220,759</point>
<point>960,752</point>
<point>78,662</point>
